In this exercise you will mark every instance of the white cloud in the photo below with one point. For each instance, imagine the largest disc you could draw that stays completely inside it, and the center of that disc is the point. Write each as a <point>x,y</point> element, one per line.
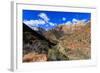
<point>63,18</point>
<point>52,24</point>
<point>34,22</point>
<point>44,17</point>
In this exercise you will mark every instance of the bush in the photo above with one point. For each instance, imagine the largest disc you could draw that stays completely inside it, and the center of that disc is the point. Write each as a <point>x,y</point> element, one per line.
<point>55,55</point>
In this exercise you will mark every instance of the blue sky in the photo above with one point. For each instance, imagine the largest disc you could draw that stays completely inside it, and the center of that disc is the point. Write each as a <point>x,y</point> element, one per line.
<point>49,19</point>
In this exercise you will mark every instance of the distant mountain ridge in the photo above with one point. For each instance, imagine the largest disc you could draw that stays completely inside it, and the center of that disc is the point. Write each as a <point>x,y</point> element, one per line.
<point>53,25</point>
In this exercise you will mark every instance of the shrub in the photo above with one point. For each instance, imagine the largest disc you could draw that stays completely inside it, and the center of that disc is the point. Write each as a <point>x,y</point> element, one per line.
<point>55,55</point>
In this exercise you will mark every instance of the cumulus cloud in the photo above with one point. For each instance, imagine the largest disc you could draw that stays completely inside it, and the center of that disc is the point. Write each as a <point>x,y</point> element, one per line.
<point>52,24</point>
<point>44,20</point>
<point>63,18</point>
<point>44,17</point>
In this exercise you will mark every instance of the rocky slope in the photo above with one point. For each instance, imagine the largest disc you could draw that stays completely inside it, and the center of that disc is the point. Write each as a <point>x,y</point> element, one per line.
<point>64,42</point>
